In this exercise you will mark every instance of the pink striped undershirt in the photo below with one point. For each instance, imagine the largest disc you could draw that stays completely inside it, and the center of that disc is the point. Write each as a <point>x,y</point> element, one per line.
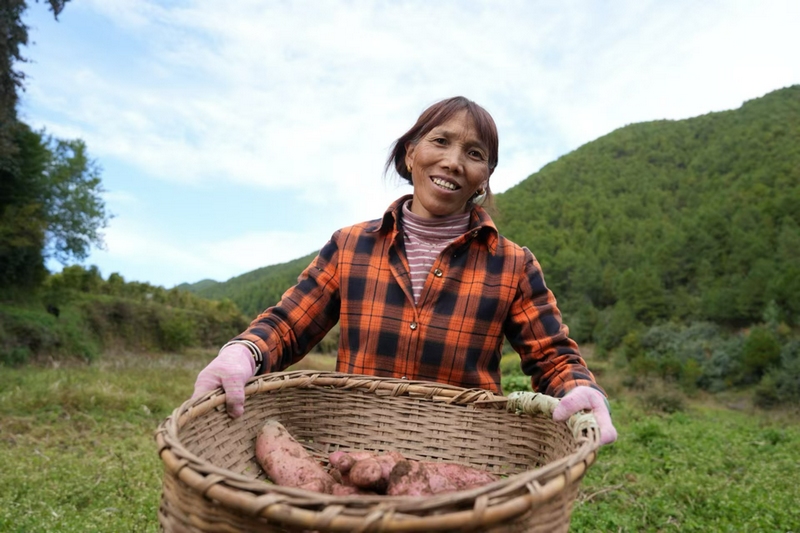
<point>425,238</point>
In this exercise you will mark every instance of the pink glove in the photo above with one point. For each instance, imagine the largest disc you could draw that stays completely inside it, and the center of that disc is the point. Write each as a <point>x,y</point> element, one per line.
<point>231,369</point>
<point>581,398</point>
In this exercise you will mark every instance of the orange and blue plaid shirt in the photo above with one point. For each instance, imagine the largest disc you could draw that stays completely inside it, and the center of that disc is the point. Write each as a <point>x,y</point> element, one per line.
<point>481,289</point>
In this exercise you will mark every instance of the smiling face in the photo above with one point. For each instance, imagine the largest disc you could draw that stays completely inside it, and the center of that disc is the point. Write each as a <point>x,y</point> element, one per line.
<point>448,165</point>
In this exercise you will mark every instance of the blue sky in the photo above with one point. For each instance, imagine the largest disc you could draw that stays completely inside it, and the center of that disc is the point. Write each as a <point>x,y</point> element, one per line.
<point>235,135</point>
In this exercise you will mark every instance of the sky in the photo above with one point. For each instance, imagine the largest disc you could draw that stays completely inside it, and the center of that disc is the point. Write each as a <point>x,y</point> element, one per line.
<point>240,134</point>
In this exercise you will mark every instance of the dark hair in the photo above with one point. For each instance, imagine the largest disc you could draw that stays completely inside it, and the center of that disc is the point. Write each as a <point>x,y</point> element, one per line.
<point>438,114</point>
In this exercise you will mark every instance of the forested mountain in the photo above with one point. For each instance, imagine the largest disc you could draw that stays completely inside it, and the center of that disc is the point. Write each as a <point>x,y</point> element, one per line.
<point>198,286</point>
<point>693,219</point>
<point>256,290</point>
<point>690,220</point>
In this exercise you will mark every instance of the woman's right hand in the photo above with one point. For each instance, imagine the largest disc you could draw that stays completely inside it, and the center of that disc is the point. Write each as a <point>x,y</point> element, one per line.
<point>231,369</point>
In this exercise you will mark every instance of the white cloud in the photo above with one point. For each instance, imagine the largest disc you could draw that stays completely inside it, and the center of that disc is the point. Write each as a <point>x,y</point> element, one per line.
<point>302,94</point>
<point>120,198</point>
<point>308,95</point>
<point>149,254</point>
<point>253,250</point>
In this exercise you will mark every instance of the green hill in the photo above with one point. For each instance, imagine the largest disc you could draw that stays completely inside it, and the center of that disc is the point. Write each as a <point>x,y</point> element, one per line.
<point>256,290</point>
<point>203,284</point>
<point>694,220</point>
<point>672,246</point>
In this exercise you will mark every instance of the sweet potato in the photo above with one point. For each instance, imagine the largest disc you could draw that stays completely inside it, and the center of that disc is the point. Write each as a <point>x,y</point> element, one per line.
<point>349,490</point>
<point>286,462</point>
<point>390,473</point>
<point>373,474</point>
<point>419,478</point>
<point>344,461</point>
<point>364,469</point>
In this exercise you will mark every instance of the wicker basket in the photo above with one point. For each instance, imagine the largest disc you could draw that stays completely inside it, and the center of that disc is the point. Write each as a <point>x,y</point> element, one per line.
<point>213,483</point>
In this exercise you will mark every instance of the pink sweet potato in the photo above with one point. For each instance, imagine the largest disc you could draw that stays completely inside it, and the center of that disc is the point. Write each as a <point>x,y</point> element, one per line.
<point>343,461</point>
<point>349,490</point>
<point>366,470</point>
<point>373,473</point>
<point>286,462</point>
<point>390,473</point>
<point>418,478</point>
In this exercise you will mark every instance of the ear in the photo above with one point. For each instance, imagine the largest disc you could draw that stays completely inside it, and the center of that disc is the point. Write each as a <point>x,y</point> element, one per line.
<point>410,148</point>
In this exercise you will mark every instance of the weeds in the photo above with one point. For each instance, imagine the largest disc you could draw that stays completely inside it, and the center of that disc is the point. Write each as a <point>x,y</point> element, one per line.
<point>77,449</point>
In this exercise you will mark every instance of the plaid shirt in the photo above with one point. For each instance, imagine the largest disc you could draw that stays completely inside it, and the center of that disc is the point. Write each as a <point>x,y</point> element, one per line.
<point>481,289</point>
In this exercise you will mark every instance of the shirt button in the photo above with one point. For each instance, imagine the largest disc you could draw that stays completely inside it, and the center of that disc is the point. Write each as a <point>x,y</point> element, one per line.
<point>413,325</point>
<point>437,273</point>
<point>404,377</point>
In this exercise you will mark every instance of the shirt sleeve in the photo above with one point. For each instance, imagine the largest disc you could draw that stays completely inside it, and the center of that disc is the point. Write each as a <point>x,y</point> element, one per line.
<point>286,332</point>
<point>535,331</point>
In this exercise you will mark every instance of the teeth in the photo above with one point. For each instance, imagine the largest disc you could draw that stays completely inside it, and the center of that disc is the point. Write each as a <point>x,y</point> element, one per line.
<point>445,184</point>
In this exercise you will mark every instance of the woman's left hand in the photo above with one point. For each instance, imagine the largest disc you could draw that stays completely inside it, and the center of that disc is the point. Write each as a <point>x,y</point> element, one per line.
<point>587,398</point>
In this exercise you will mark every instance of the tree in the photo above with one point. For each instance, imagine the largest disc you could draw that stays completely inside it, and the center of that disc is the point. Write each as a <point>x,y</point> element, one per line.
<point>22,224</point>
<point>73,209</point>
<point>13,35</point>
<point>50,206</point>
<point>50,203</point>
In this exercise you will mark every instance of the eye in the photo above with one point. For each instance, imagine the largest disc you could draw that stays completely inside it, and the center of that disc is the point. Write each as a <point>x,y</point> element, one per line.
<point>477,154</point>
<point>440,140</point>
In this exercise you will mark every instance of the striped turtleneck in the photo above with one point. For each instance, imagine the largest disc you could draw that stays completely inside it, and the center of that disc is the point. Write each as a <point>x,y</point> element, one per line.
<point>425,238</point>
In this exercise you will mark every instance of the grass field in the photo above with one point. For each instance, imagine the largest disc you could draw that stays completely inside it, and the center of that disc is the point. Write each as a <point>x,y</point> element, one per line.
<point>78,455</point>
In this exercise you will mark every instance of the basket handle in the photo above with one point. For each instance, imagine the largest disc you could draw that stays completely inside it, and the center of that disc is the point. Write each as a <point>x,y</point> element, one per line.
<point>582,424</point>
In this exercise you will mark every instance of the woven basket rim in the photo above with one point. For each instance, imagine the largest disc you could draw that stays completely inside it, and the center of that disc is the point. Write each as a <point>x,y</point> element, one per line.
<point>491,504</point>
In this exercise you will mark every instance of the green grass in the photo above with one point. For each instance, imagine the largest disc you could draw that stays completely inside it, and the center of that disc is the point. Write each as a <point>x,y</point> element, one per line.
<point>77,454</point>
<point>76,442</point>
<point>702,469</point>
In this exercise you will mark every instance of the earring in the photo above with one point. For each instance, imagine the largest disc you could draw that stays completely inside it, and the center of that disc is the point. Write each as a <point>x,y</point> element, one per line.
<point>408,167</point>
<point>479,197</point>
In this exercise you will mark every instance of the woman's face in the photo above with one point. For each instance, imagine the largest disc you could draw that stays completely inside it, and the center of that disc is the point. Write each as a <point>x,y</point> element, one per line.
<point>448,165</point>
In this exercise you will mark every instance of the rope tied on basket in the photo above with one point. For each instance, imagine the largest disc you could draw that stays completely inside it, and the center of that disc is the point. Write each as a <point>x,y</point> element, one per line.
<point>582,424</point>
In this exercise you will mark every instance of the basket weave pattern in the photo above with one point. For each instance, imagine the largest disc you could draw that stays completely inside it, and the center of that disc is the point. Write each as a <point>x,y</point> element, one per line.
<point>212,481</point>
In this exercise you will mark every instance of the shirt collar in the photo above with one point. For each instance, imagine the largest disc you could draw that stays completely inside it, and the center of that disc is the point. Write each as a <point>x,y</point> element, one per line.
<point>480,223</point>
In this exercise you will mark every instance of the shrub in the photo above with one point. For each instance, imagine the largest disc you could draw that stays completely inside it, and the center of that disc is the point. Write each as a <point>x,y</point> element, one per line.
<point>643,366</point>
<point>663,400</point>
<point>509,365</point>
<point>27,333</point>
<point>648,433</point>
<point>721,368</point>
<point>766,394</point>
<point>691,372</point>
<point>329,343</point>
<point>75,339</point>
<point>177,331</point>
<point>782,385</point>
<point>670,367</point>
<point>761,351</point>
<point>632,346</point>
<point>788,377</point>
<point>582,322</point>
<point>515,383</point>
<point>613,324</point>
<point>15,355</point>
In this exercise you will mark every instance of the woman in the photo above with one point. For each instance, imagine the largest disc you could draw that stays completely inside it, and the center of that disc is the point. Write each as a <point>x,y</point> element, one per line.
<point>429,291</point>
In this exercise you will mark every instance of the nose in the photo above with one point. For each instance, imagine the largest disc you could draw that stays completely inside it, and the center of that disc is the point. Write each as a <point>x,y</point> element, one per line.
<point>453,159</point>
